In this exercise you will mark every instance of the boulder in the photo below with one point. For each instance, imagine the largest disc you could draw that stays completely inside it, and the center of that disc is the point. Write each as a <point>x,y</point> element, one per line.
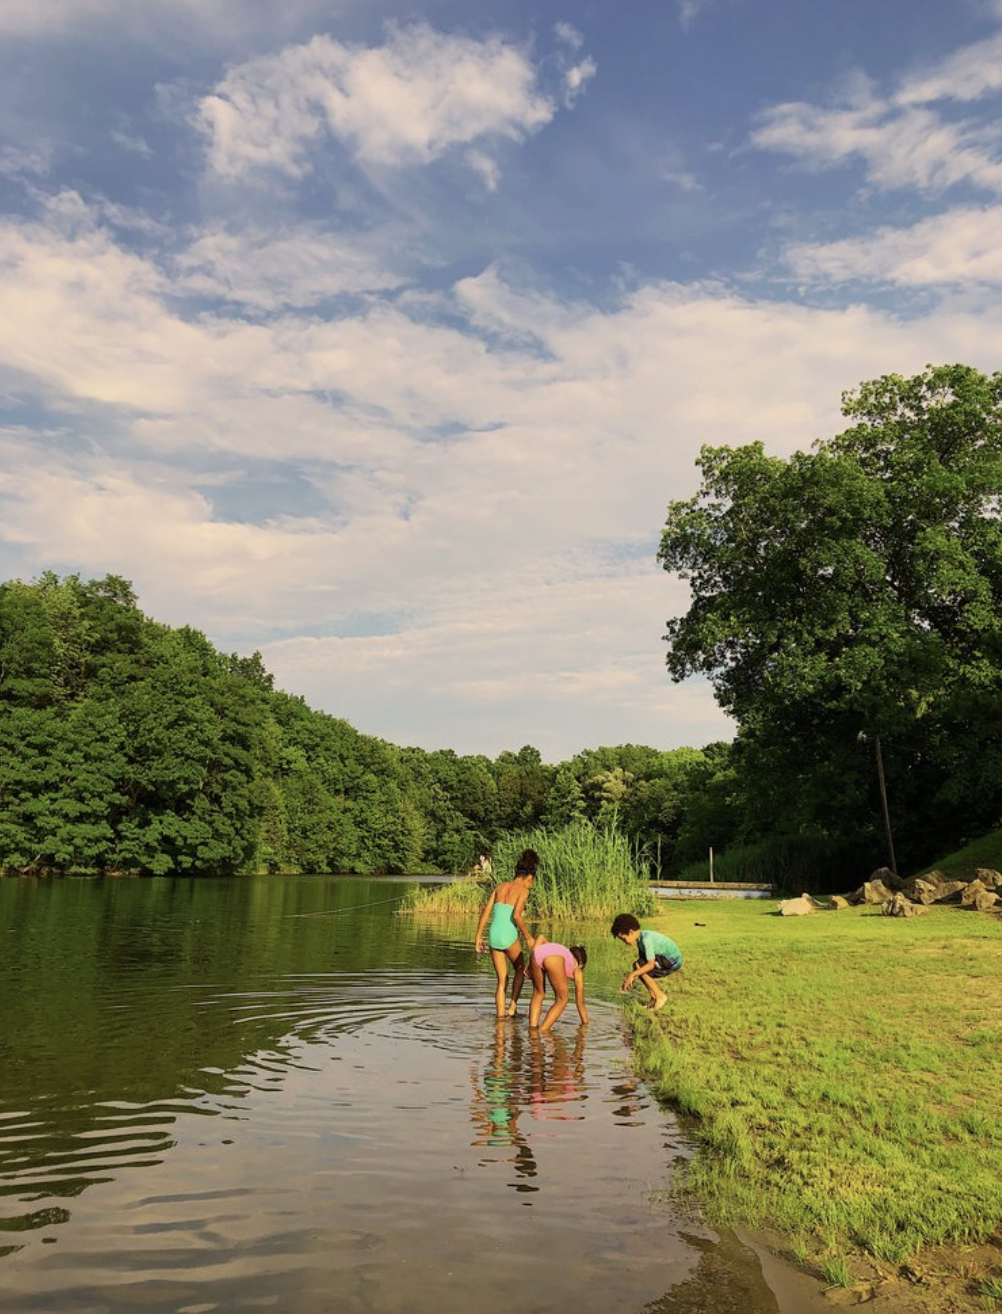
<point>888,878</point>
<point>798,907</point>
<point>948,889</point>
<point>969,895</point>
<point>875,892</point>
<point>989,878</point>
<point>838,901</point>
<point>986,899</point>
<point>924,891</point>
<point>898,906</point>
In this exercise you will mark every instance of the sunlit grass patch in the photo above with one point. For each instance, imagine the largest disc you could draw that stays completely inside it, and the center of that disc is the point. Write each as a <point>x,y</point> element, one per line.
<point>835,1271</point>
<point>840,1070</point>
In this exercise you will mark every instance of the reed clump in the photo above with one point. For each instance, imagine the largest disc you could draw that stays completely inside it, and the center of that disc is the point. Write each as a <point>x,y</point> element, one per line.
<point>583,873</point>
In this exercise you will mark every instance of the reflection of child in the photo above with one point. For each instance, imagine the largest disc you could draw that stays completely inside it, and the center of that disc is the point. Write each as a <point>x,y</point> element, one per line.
<point>504,908</point>
<point>558,965</point>
<point>498,1102</point>
<point>557,1076</point>
<point>658,957</point>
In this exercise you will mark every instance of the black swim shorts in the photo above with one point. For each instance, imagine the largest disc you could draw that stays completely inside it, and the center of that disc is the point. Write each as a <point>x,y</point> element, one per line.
<point>664,966</point>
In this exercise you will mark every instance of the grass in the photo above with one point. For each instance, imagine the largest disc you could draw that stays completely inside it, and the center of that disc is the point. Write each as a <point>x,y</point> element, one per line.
<point>835,1271</point>
<point>583,873</point>
<point>986,851</point>
<point>841,1070</point>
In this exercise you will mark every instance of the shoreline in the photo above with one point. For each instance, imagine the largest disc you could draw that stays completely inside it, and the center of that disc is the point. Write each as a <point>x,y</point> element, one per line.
<point>838,1076</point>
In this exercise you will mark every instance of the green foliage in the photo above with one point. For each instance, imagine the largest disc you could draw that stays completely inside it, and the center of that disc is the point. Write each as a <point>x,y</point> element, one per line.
<point>792,864</point>
<point>857,588</point>
<point>583,873</point>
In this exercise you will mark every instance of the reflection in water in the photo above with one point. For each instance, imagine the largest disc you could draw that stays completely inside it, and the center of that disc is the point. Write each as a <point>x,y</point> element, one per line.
<point>497,1101</point>
<point>529,1079</point>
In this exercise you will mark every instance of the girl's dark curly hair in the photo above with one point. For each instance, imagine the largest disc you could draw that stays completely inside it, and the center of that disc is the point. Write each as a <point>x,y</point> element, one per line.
<point>527,863</point>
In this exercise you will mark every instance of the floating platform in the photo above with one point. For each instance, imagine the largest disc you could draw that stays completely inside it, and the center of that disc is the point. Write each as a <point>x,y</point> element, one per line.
<point>712,890</point>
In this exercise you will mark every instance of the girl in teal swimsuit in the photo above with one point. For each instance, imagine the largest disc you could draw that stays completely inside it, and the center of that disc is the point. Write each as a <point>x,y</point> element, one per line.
<point>504,908</point>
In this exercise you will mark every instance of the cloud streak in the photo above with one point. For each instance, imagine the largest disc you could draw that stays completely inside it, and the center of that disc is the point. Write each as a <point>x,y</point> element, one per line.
<point>407,102</point>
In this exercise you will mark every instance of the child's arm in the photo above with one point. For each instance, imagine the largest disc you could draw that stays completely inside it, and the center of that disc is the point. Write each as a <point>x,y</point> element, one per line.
<point>579,995</point>
<point>516,916</point>
<point>483,922</point>
<point>641,969</point>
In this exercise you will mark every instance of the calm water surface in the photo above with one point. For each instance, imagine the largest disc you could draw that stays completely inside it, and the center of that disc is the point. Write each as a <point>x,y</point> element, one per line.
<point>276,1094</point>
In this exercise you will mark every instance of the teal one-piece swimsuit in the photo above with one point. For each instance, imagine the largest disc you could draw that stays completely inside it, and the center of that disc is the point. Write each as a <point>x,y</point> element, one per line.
<point>502,932</point>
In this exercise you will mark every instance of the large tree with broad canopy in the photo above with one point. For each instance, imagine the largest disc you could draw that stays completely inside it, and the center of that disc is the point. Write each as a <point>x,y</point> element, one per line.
<point>854,592</point>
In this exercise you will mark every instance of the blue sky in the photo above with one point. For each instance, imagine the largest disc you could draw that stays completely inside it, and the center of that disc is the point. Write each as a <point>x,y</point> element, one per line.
<point>378,337</point>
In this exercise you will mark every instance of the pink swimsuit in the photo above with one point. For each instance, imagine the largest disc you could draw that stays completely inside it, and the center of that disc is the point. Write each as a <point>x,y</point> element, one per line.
<point>542,951</point>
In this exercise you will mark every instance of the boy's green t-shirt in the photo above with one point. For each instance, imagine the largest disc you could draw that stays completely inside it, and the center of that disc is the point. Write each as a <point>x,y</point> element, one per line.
<point>652,943</point>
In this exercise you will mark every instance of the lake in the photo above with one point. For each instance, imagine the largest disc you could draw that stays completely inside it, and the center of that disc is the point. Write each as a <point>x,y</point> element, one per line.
<point>276,1093</point>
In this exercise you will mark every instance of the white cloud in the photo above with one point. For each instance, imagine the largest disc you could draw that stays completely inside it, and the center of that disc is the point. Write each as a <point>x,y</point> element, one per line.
<point>968,74</point>
<point>16,162</point>
<point>406,102</point>
<point>689,10</point>
<point>575,79</point>
<point>136,145</point>
<point>901,136</point>
<point>568,34</point>
<point>514,666</point>
<point>486,167</point>
<point>911,147</point>
<point>960,248</point>
<point>294,266</point>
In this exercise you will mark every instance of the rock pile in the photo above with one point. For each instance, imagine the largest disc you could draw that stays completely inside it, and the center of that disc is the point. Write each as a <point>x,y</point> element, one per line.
<point>898,897</point>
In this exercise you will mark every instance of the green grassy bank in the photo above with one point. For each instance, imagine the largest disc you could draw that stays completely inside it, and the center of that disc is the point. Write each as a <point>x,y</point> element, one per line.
<point>843,1070</point>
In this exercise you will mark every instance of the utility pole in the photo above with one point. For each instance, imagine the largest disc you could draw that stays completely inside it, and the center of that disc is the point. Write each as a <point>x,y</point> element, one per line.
<point>862,738</point>
<point>883,799</point>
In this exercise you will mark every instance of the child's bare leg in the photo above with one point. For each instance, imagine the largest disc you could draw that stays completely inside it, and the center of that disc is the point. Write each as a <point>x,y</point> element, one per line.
<point>517,981</point>
<point>658,998</point>
<point>500,960</point>
<point>538,991</point>
<point>558,980</point>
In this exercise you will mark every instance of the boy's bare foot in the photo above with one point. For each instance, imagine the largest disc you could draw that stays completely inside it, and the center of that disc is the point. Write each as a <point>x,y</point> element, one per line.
<point>655,1004</point>
<point>512,1010</point>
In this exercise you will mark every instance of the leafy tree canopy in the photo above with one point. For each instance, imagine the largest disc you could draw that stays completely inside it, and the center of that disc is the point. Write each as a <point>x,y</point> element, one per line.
<point>852,589</point>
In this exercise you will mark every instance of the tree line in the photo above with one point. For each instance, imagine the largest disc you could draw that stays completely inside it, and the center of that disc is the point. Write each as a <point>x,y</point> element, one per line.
<point>130,746</point>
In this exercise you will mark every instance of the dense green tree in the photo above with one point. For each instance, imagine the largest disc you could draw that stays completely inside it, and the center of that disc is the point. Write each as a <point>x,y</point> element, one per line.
<point>565,802</point>
<point>523,784</point>
<point>856,588</point>
<point>191,783</point>
<point>60,778</point>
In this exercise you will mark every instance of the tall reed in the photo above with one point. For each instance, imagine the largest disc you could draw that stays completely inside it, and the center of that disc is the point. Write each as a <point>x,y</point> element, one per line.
<point>583,873</point>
